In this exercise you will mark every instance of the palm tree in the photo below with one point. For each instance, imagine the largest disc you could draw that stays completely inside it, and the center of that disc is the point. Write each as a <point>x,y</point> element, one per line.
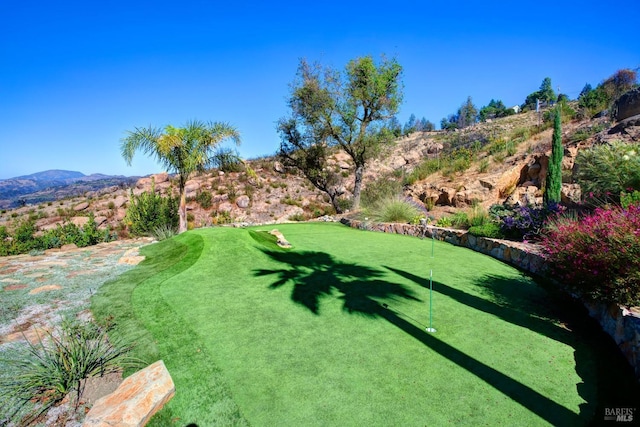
<point>182,150</point>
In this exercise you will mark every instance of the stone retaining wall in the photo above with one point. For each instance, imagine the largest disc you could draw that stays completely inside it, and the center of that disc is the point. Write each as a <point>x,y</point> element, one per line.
<point>621,324</point>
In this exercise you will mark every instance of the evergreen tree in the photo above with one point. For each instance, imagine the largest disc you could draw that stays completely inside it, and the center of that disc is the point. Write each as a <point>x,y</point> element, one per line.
<point>553,188</point>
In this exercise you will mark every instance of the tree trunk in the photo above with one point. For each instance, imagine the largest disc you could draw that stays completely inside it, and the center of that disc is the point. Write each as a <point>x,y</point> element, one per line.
<point>182,212</point>
<point>357,187</point>
<point>333,197</point>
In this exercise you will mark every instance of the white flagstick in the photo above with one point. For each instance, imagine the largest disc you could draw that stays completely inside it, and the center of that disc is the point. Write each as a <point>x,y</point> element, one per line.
<point>430,328</point>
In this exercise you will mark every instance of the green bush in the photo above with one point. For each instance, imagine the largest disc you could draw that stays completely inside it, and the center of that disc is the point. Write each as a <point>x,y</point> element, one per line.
<point>444,221</point>
<point>227,160</point>
<point>605,171</point>
<point>204,199</point>
<point>422,171</point>
<point>382,188</point>
<point>488,229</point>
<point>626,199</point>
<point>149,211</point>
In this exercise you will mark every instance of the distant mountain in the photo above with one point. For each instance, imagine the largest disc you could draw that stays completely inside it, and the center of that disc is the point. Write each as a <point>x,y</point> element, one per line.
<point>53,185</point>
<point>54,175</point>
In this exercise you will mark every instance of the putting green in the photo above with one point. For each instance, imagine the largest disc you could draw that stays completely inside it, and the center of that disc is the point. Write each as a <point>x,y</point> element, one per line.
<point>332,332</point>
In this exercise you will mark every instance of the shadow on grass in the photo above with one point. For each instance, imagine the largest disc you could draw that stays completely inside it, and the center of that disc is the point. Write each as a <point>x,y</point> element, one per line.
<point>608,380</point>
<point>317,275</point>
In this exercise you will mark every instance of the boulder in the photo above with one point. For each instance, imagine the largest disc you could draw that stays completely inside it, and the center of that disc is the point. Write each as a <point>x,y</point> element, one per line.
<point>509,180</point>
<point>160,177</point>
<point>135,401</point>
<point>143,183</point>
<point>628,105</point>
<point>81,206</point>
<point>278,167</point>
<point>119,201</point>
<point>243,201</point>
<point>282,242</point>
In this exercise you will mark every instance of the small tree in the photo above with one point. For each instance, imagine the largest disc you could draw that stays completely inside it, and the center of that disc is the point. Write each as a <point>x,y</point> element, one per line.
<point>184,150</point>
<point>553,187</point>
<point>329,108</point>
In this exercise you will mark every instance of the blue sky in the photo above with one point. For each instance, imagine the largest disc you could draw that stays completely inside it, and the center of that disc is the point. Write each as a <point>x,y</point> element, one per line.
<point>75,76</point>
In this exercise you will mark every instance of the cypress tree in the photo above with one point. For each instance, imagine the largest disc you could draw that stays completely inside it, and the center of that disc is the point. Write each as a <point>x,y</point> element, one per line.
<point>554,172</point>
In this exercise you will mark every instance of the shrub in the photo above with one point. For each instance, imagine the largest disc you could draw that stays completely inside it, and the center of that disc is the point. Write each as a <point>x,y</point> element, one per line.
<point>227,160</point>
<point>523,222</point>
<point>484,165</point>
<point>422,171</point>
<point>607,170</point>
<point>599,254</point>
<point>149,211</point>
<point>204,199</point>
<point>444,221</point>
<point>298,217</point>
<point>382,188</point>
<point>56,367</point>
<point>221,217</point>
<point>626,199</point>
<point>394,209</point>
<point>164,232</point>
<point>460,220</point>
<point>488,229</point>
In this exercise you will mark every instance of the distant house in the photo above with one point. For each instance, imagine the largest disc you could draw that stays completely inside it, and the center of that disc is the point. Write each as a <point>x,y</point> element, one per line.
<point>516,108</point>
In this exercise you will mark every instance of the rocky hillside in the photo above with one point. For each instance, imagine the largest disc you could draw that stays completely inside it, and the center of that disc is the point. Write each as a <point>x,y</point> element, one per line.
<point>509,162</point>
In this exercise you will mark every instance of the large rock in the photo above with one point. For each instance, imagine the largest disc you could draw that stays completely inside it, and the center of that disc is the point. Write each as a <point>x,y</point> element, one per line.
<point>143,183</point>
<point>135,401</point>
<point>628,105</point>
<point>159,178</point>
<point>243,201</point>
<point>81,206</point>
<point>119,201</point>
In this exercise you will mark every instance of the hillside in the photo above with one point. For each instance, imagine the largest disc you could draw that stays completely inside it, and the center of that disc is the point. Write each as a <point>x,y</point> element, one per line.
<point>508,162</point>
<point>53,185</point>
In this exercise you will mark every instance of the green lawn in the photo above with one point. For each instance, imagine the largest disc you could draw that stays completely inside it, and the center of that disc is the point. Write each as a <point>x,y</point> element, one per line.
<point>332,332</point>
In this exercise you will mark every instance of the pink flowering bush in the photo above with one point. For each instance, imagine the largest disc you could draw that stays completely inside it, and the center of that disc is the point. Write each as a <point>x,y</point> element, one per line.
<point>598,255</point>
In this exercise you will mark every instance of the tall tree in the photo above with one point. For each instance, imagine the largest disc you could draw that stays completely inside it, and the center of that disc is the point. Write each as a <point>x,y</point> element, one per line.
<point>410,126</point>
<point>467,114</point>
<point>553,188</point>
<point>183,151</point>
<point>347,110</point>
<point>546,93</point>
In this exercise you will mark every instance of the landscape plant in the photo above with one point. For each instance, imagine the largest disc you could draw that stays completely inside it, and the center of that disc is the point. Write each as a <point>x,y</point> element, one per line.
<point>523,222</point>
<point>26,238</point>
<point>184,151</point>
<point>56,366</point>
<point>553,186</point>
<point>149,210</point>
<point>598,255</point>
<point>394,208</point>
<point>346,110</point>
<point>605,171</point>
